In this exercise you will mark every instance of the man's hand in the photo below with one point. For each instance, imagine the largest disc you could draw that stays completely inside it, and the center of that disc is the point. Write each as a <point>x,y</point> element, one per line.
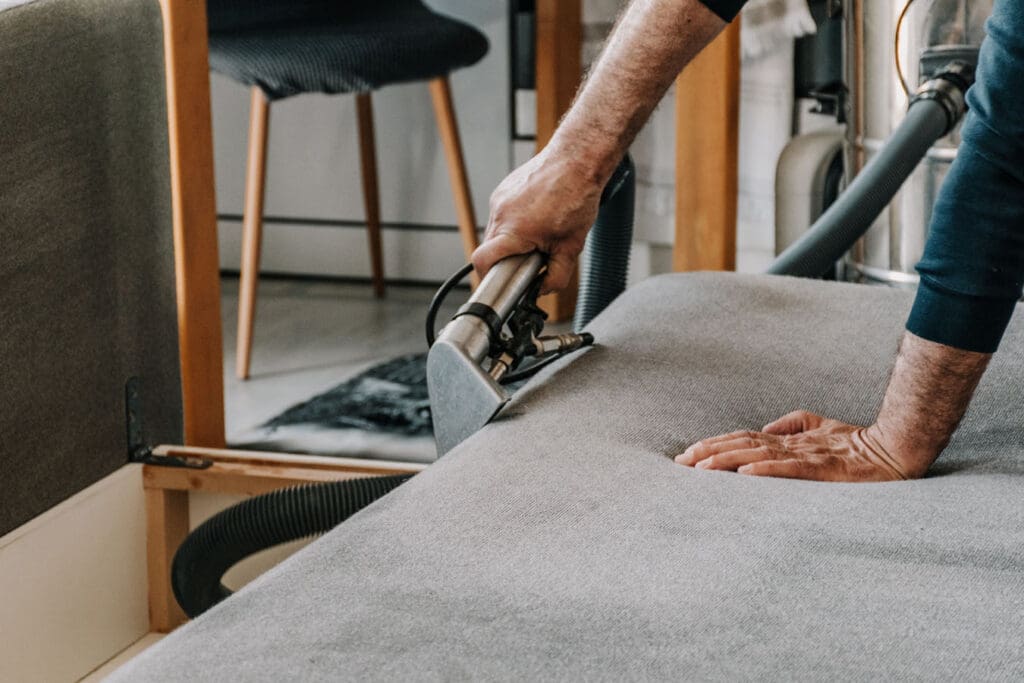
<point>801,445</point>
<point>548,204</point>
<point>929,391</point>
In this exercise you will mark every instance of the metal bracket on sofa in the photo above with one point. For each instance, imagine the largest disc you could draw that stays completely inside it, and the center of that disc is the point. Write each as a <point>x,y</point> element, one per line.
<point>138,450</point>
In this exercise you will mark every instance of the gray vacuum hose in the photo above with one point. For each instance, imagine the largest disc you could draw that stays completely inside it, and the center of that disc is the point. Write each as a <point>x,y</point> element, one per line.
<point>606,254</point>
<point>932,114</point>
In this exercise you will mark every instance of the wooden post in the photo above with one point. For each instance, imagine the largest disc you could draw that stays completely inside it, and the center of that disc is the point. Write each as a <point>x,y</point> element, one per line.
<point>559,41</point>
<point>707,145</point>
<point>195,220</point>
<point>166,528</point>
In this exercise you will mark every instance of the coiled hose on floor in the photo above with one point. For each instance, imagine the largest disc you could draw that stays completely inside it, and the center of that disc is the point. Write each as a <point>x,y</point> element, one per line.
<point>263,522</point>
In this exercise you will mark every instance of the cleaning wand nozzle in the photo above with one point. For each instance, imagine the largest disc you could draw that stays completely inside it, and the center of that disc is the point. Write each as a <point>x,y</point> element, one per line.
<point>484,344</point>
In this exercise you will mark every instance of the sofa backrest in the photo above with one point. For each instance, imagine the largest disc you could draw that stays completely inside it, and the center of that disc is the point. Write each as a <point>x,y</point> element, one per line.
<point>87,296</point>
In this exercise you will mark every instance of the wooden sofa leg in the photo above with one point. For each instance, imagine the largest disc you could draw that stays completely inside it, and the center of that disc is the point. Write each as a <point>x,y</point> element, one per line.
<point>167,526</point>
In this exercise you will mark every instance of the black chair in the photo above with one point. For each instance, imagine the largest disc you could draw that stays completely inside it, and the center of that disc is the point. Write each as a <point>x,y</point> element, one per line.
<point>283,48</point>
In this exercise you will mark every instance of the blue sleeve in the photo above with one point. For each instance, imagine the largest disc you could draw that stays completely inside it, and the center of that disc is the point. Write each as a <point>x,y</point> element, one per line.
<point>972,272</point>
<point>726,9</point>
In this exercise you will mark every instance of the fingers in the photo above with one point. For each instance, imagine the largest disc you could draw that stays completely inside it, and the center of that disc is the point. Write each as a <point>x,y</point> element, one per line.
<point>794,423</point>
<point>498,247</point>
<point>736,441</point>
<point>790,468</point>
<point>733,460</point>
<point>560,270</point>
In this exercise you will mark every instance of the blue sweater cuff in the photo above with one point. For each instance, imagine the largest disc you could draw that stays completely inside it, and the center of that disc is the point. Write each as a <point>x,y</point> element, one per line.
<point>725,9</point>
<point>965,322</point>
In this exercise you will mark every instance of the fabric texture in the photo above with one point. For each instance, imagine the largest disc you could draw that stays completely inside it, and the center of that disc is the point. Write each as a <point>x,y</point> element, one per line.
<point>561,542</point>
<point>287,47</point>
<point>972,273</point>
<point>87,295</point>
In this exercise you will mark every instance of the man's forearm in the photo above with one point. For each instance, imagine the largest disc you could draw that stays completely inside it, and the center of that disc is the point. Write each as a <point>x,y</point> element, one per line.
<point>928,394</point>
<point>652,42</point>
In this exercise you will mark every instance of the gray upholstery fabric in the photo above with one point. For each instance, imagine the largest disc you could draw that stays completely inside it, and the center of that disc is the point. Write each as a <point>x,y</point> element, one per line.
<point>561,542</point>
<point>86,264</point>
<point>288,47</point>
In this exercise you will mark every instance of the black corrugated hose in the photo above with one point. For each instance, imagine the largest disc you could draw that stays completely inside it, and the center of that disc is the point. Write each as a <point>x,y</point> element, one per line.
<point>606,254</point>
<point>263,522</point>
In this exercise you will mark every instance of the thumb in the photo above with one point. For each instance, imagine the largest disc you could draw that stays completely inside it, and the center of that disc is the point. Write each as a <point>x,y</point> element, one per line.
<point>498,247</point>
<point>793,423</point>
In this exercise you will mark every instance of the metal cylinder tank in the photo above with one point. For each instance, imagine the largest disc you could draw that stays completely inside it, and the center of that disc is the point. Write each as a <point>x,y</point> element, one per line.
<point>933,32</point>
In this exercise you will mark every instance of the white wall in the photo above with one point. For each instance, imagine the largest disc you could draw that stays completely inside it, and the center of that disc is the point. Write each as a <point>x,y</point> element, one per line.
<point>313,169</point>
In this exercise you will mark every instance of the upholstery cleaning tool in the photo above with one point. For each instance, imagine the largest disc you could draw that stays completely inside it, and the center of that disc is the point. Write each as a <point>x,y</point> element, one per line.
<point>483,346</point>
<point>474,355</point>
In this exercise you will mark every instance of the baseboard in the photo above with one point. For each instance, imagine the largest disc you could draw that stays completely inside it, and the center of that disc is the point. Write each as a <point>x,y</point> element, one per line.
<point>337,249</point>
<point>74,583</point>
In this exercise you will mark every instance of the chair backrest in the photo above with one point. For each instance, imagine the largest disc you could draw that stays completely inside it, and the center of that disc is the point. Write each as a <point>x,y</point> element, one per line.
<point>87,295</point>
<point>232,15</point>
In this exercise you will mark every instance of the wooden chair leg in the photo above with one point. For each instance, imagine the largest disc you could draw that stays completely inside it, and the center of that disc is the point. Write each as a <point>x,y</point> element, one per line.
<point>166,528</point>
<point>371,195</point>
<point>252,228</point>
<point>444,110</point>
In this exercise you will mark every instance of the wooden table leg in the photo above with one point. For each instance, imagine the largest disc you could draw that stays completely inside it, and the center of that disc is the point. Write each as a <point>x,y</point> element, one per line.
<point>707,149</point>
<point>166,528</point>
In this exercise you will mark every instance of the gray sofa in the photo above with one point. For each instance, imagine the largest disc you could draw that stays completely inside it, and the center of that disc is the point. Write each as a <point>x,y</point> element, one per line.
<point>86,249</point>
<point>561,542</point>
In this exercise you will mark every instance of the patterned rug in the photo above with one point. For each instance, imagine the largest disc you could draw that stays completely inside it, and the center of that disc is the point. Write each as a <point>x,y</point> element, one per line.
<point>381,413</point>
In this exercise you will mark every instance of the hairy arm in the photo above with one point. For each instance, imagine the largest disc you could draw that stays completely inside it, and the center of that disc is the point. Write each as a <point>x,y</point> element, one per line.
<point>550,202</point>
<point>931,387</point>
<point>928,394</point>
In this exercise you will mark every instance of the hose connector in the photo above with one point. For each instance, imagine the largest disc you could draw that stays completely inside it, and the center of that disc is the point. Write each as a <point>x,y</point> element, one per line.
<point>948,87</point>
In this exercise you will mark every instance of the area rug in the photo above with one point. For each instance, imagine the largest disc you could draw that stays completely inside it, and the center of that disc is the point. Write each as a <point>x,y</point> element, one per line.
<point>381,413</point>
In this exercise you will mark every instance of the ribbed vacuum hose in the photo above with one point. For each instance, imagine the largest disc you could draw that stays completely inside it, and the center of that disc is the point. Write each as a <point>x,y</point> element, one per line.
<point>263,522</point>
<point>860,204</point>
<point>606,254</point>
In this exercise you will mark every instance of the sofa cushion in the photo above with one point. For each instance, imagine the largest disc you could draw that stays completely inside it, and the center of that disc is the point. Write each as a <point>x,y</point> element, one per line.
<point>561,542</point>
